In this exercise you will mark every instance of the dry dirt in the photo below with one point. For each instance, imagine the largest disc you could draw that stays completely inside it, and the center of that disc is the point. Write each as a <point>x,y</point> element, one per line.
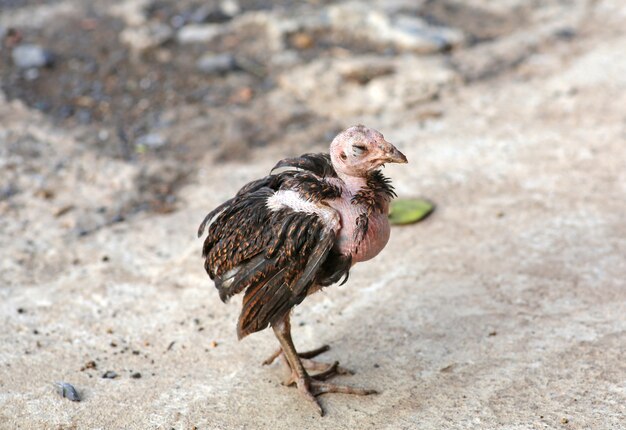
<point>506,309</point>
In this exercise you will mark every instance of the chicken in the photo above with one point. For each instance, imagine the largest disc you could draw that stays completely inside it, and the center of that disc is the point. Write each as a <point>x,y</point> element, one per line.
<point>289,234</point>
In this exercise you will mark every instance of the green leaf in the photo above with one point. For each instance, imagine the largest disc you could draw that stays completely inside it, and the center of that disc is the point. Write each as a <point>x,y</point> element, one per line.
<point>408,211</point>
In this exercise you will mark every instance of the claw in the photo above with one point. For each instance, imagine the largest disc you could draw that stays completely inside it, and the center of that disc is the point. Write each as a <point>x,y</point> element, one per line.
<point>304,386</point>
<point>311,389</point>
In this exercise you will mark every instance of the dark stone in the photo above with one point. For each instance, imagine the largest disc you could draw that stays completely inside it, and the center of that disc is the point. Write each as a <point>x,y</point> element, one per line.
<point>68,391</point>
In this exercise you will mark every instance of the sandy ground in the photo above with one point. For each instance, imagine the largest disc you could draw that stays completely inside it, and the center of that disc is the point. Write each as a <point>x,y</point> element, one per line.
<point>506,309</point>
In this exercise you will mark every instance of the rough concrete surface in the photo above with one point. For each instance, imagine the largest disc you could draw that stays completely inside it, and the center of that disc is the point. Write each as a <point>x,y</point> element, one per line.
<point>506,309</point>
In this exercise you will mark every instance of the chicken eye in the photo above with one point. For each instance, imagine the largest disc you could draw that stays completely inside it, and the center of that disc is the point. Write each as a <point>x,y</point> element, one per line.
<point>359,150</point>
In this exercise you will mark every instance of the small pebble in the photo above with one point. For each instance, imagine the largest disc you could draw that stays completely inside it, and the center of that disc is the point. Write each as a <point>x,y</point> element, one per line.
<point>302,41</point>
<point>89,365</point>
<point>103,135</point>
<point>27,56</point>
<point>565,33</point>
<point>136,375</point>
<point>199,33</point>
<point>117,218</point>
<point>68,391</point>
<point>230,7</point>
<point>216,64</point>
<point>59,212</point>
<point>110,374</point>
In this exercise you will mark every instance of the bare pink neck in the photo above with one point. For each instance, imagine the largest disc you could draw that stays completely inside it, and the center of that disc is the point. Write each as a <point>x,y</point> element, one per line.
<point>353,183</point>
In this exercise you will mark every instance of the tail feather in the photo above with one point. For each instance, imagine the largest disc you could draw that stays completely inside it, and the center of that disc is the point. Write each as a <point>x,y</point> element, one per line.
<point>256,299</point>
<point>240,278</point>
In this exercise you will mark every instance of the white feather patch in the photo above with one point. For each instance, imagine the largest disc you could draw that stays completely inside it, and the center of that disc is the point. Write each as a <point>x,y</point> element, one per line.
<point>293,200</point>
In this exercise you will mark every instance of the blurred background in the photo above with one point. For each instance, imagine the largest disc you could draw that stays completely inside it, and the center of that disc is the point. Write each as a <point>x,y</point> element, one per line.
<point>122,123</point>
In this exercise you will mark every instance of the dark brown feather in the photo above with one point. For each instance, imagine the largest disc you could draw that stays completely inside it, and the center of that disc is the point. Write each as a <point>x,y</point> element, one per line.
<point>318,164</point>
<point>276,256</point>
<point>311,187</point>
<point>377,191</point>
<point>373,196</point>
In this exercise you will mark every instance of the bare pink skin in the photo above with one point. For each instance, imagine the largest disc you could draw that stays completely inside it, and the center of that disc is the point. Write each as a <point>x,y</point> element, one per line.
<point>377,233</point>
<point>355,152</point>
<point>350,161</point>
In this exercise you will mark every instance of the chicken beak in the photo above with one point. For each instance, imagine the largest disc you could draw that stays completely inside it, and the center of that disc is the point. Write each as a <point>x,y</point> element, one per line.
<point>392,155</point>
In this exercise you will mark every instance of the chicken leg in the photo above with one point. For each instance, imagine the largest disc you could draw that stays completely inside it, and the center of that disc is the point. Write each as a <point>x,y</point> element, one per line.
<point>326,370</point>
<point>309,386</point>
